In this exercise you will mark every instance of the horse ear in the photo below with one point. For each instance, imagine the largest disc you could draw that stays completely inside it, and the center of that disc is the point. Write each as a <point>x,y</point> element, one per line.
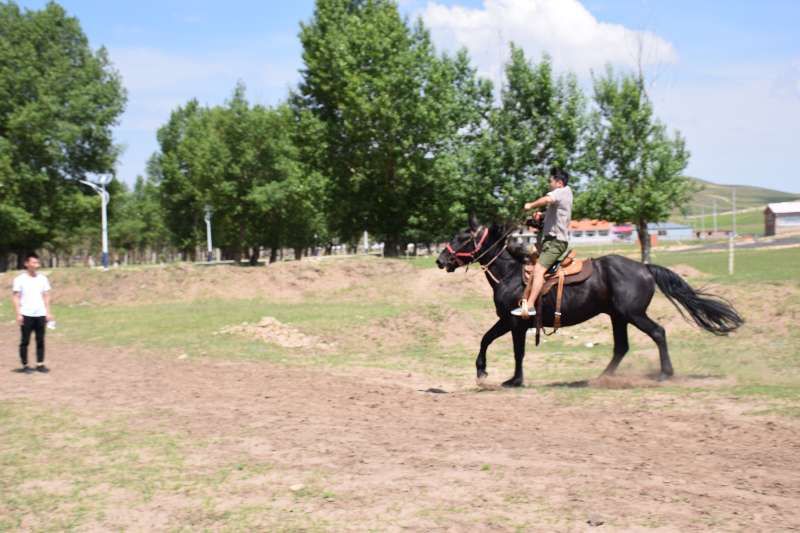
<point>473,222</point>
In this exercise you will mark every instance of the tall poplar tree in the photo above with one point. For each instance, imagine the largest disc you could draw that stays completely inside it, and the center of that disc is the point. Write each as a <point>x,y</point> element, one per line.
<point>541,122</point>
<point>636,168</point>
<point>389,107</point>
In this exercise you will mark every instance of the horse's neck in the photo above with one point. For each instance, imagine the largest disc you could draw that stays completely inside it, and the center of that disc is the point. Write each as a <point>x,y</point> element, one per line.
<point>500,262</point>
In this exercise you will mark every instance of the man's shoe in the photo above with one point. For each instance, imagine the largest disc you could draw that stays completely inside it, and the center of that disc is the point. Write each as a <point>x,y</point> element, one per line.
<point>24,370</point>
<point>43,369</point>
<point>523,311</point>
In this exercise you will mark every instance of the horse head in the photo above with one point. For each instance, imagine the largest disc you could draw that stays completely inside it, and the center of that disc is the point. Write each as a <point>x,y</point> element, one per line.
<point>465,246</point>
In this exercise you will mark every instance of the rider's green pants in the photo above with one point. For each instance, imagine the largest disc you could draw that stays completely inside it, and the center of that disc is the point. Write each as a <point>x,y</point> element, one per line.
<point>552,249</point>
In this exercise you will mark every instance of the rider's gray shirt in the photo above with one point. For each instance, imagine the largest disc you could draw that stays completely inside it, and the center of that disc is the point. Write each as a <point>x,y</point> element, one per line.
<point>559,213</point>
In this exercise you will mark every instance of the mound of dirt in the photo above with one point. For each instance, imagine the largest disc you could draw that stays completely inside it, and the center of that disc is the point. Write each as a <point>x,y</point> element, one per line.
<point>271,330</point>
<point>687,271</point>
<point>292,281</point>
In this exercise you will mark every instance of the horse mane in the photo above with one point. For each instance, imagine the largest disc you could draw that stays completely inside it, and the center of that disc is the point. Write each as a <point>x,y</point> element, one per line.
<point>520,252</point>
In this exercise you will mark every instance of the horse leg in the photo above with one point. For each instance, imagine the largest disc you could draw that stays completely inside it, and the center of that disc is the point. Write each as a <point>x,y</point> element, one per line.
<point>518,333</point>
<point>499,329</point>
<point>659,336</point>
<point>620,327</point>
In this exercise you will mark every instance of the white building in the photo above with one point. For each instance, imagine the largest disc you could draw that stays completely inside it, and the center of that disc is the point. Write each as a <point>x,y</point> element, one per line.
<point>781,218</point>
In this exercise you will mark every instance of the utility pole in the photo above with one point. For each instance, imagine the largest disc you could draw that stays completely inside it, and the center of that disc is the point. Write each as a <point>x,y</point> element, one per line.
<point>100,188</point>
<point>730,254</point>
<point>702,220</point>
<point>715,215</point>
<point>732,238</point>
<point>207,217</point>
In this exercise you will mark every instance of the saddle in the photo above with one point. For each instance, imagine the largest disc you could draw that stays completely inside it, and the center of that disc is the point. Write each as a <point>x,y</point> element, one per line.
<point>567,270</point>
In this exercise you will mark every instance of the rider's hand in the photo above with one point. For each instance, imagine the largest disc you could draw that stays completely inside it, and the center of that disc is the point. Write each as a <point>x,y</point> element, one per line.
<point>528,206</point>
<point>20,320</point>
<point>50,318</point>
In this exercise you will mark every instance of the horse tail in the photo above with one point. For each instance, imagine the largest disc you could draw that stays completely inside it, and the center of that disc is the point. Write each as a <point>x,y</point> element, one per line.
<point>710,312</point>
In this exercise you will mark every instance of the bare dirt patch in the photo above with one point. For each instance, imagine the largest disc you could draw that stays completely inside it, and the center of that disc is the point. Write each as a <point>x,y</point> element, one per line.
<point>271,330</point>
<point>372,452</point>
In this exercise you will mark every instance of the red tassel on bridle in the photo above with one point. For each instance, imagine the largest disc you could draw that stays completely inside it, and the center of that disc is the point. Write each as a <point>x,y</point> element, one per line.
<point>458,254</point>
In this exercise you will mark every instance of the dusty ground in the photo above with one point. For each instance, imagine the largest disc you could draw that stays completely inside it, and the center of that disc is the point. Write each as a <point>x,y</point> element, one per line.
<point>142,439</point>
<point>368,449</point>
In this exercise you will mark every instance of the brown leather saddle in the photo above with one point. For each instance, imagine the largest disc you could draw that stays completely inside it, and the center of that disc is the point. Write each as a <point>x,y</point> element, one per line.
<point>569,271</point>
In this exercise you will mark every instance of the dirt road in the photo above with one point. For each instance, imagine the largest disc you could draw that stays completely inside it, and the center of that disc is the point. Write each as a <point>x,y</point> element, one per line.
<point>383,455</point>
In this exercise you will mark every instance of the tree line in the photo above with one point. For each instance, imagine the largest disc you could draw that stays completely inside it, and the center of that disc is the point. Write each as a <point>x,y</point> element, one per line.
<point>383,133</point>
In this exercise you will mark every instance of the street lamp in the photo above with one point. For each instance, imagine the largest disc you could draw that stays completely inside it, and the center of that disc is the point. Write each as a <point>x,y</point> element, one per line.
<point>100,188</point>
<point>207,217</point>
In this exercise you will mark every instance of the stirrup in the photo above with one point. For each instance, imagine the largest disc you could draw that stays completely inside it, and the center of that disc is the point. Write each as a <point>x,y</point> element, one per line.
<point>522,310</point>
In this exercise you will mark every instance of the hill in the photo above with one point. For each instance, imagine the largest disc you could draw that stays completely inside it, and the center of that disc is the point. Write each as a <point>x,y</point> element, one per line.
<point>746,197</point>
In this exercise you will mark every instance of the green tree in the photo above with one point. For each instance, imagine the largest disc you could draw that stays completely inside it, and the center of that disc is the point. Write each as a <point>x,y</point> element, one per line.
<point>388,106</point>
<point>541,122</point>
<point>168,170</point>
<point>58,102</point>
<point>136,223</point>
<point>636,168</point>
<point>244,162</point>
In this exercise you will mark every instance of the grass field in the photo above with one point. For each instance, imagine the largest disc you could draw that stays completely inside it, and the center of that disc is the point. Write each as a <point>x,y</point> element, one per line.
<point>163,444</point>
<point>347,316</point>
<point>750,222</point>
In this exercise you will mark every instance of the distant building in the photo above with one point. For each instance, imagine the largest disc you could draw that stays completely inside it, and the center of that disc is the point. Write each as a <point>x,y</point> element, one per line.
<point>668,231</point>
<point>781,217</point>
<point>589,231</point>
<point>586,231</point>
<point>594,231</point>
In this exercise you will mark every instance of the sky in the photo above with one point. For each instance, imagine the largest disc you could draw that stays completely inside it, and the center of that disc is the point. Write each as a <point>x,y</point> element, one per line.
<point>726,74</point>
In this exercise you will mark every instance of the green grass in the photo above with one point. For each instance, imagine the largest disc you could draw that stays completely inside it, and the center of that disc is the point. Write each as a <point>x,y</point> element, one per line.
<point>750,266</point>
<point>353,322</point>
<point>747,222</point>
<point>193,327</point>
<point>177,328</point>
<point>59,472</point>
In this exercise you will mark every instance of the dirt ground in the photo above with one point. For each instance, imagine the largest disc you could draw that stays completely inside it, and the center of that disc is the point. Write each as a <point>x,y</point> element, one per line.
<point>393,457</point>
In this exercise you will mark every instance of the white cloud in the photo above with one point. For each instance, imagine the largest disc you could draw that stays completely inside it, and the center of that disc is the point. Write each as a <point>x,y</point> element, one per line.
<point>563,28</point>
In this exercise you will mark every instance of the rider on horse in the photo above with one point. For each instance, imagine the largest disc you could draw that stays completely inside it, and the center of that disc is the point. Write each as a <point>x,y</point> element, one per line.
<point>555,232</point>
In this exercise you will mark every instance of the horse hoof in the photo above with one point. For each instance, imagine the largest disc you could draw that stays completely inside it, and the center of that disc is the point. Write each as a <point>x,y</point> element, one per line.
<point>512,383</point>
<point>481,379</point>
<point>664,376</point>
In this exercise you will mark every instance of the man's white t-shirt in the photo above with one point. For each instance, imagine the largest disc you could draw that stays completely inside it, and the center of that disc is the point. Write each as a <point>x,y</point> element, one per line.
<point>31,291</point>
<point>559,213</point>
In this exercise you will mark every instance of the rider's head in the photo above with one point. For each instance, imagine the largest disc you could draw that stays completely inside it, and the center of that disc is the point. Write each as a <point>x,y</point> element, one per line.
<point>558,178</point>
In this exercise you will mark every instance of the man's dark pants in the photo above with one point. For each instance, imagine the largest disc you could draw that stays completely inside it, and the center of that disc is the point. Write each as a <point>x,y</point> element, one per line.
<point>36,324</point>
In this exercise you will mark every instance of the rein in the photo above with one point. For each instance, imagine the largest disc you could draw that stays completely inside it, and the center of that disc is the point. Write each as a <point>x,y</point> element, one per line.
<point>458,254</point>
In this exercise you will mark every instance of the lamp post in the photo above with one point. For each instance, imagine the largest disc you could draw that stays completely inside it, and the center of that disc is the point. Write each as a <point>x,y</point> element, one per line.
<point>100,188</point>
<point>207,218</point>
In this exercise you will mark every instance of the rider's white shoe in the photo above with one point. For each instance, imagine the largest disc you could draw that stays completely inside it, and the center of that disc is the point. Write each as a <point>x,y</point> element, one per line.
<point>523,310</point>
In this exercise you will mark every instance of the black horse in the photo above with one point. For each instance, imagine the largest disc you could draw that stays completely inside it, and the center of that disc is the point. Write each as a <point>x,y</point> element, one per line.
<point>619,287</point>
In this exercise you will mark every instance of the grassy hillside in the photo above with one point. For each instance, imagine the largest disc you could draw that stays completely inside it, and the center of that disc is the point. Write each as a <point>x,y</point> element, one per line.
<point>749,221</point>
<point>746,197</point>
<point>750,203</point>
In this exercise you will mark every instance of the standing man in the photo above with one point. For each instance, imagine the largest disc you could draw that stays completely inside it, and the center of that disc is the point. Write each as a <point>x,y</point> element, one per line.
<point>32,304</point>
<point>556,234</point>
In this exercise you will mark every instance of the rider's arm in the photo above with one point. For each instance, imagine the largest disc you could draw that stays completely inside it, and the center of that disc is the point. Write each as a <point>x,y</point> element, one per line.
<point>541,202</point>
